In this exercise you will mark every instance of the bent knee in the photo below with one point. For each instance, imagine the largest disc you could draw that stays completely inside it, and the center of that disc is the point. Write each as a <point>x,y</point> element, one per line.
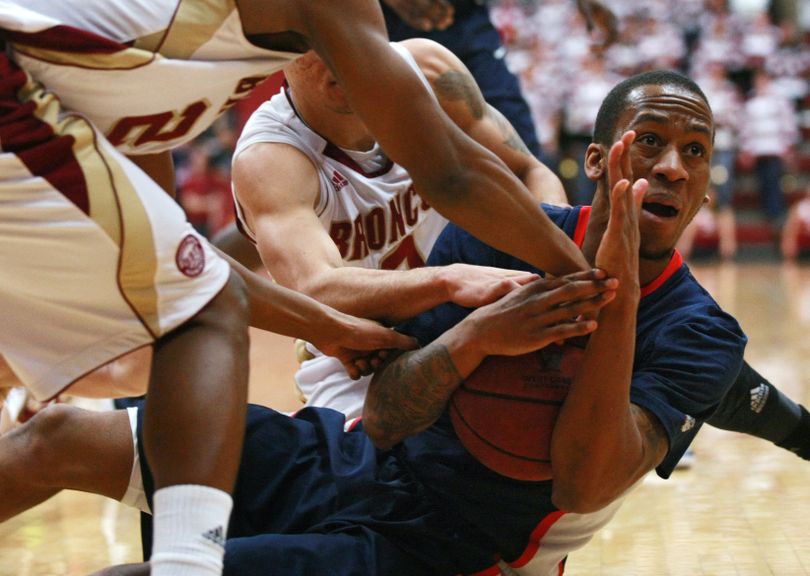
<point>43,442</point>
<point>69,447</point>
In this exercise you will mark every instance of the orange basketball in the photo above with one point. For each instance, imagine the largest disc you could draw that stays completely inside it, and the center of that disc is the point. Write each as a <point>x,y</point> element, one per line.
<point>504,412</point>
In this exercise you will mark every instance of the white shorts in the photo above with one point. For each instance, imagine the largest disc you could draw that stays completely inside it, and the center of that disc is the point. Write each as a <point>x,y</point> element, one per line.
<point>135,496</point>
<point>97,260</point>
<point>325,383</point>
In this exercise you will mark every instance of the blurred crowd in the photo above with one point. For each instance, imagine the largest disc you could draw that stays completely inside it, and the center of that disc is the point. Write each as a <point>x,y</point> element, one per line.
<point>753,66</point>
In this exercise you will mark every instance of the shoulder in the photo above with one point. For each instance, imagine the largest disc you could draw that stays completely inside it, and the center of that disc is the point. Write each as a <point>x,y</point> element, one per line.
<point>682,317</point>
<point>431,57</point>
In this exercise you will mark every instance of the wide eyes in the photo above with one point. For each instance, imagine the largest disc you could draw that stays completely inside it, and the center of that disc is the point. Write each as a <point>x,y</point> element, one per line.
<point>648,139</point>
<point>696,150</point>
<point>693,149</point>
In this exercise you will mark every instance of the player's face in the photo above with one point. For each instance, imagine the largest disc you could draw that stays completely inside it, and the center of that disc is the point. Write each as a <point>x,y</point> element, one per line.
<point>672,150</point>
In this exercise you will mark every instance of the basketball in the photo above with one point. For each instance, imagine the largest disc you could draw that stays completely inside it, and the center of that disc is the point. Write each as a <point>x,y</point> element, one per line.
<point>504,412</point>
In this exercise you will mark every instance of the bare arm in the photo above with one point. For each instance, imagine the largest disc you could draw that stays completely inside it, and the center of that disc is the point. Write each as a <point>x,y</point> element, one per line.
<point>300,254</point>
<point>410,393</point>
<point>348,338</point>
<point>462,100</point>
<point>278,309</point>
<point>457,176</point>
<point>594,464</point>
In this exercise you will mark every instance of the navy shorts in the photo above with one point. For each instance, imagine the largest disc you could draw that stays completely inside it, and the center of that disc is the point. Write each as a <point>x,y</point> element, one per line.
<point>313,499</point>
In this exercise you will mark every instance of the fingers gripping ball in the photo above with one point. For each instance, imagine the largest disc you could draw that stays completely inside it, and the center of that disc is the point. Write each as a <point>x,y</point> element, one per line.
<point>504,412</point>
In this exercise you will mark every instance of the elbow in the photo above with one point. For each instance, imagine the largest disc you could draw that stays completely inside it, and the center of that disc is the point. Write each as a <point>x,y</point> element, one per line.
<point>373,426</point>
<point>581,493</point>
<point>578,501</point>
<point>377,435</point>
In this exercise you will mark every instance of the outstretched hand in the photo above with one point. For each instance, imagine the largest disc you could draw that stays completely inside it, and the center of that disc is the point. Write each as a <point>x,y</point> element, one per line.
<point>618,250</point>
<point>361,345</point>
<point>425,15</point>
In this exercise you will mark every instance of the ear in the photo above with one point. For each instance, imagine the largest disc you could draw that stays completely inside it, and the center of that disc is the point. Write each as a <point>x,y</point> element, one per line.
<point>706,199</point>
<point>595,161</point>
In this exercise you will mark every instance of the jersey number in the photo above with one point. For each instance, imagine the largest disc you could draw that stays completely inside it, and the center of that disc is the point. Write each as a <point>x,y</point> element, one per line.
<point>163,127</point>
<point>406,253</point>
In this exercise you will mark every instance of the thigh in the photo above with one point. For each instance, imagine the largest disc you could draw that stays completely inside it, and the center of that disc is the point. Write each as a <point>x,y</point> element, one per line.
<point>97,259</point>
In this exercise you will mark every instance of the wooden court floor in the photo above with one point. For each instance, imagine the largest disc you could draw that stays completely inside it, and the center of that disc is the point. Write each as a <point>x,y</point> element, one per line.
<point>743,509</point>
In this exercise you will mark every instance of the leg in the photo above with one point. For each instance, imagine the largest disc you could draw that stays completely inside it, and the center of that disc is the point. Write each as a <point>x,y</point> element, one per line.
<point>196,406</point>
<point>83,286</point>
<point>727,231</point>
<point>726,225</point>
<point>64,447</point>
<point>769,171</point>
<point>198,394</point>
<point>755,406</point>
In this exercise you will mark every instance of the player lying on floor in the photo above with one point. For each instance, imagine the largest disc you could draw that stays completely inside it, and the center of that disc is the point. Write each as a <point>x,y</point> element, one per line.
<point>312,498</point>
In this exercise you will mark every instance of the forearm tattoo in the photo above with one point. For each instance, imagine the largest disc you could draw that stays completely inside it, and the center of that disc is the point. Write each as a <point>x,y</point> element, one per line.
<point>411,393</point>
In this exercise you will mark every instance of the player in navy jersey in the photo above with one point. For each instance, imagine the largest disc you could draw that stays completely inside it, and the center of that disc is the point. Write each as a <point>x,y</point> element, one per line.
<point>312,498</point>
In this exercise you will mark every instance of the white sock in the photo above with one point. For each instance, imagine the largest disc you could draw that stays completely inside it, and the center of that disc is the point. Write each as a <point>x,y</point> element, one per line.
<point>190,527</point>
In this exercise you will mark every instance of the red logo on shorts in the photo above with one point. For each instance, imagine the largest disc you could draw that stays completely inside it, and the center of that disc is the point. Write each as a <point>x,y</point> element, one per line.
<point>190,256</point>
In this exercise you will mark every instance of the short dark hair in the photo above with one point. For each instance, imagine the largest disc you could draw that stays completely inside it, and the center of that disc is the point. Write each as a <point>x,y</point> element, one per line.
<point>616,101</point>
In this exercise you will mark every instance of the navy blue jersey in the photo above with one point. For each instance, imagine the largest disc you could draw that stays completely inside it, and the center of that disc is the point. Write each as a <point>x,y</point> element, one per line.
<point>688,351</point>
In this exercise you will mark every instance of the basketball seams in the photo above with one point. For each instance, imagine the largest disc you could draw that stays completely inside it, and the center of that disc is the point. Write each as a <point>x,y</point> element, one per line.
<point>456,413</point>
<point>522,398</point>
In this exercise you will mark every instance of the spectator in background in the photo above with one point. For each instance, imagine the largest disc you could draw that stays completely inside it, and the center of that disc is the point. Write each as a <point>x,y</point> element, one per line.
<point>545,83</point>
<point>590,84</point>
<point>718,38</point>
<point>760,39</point>
<point>222,142</point>
<point>768,133</point>
<point>204,192</point>
<point>661,45</point>
<point>726,102</point>
<point>789,65</point>
<point>796,233</point>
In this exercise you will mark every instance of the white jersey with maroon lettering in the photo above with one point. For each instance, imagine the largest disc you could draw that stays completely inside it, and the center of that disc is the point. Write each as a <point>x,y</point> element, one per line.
<point>150,74</point>
<point>370,209</point>
<point>97,260</point>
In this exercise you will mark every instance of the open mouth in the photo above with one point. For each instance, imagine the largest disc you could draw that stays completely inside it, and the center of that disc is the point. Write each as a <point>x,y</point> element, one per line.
<point>660,210</point>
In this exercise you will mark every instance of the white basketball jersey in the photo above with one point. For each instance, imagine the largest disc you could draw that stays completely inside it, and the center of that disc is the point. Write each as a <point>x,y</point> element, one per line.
<point>367,203</point>
<point>370,209</point>
<point>150,74</point>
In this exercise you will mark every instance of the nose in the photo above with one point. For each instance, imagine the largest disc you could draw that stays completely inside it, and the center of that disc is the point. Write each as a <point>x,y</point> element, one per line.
<point>670,166</point>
